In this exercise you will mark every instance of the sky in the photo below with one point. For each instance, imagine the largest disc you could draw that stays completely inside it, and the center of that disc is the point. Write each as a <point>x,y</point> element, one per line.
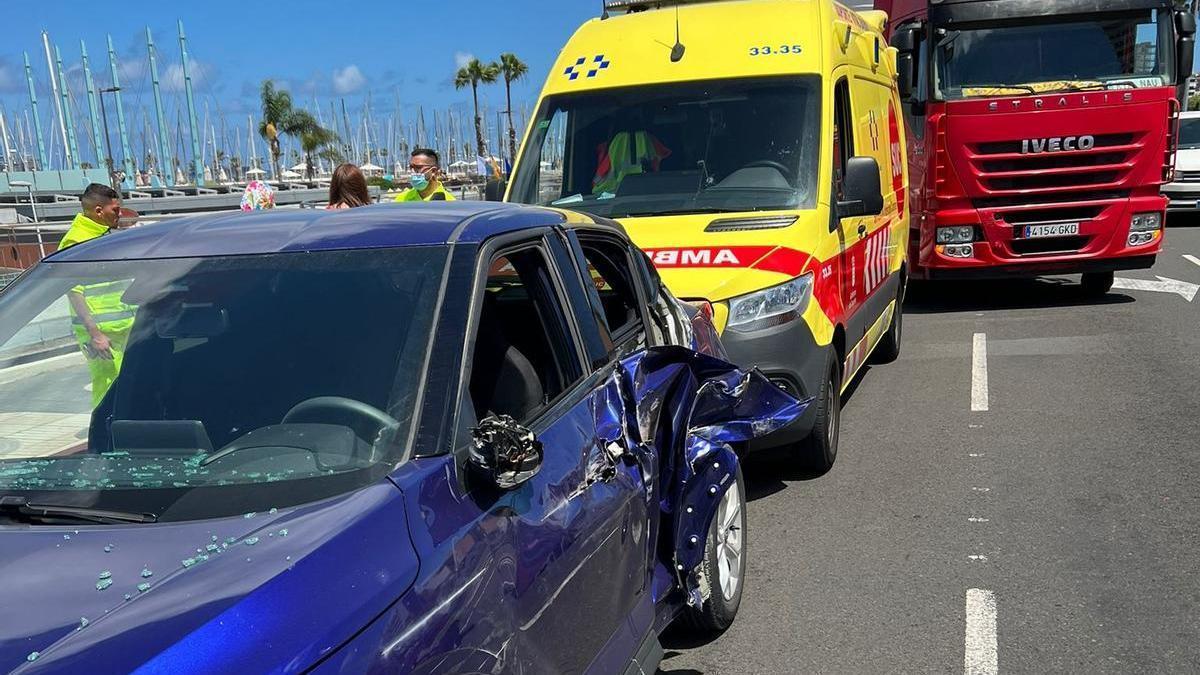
<point>321,52</point>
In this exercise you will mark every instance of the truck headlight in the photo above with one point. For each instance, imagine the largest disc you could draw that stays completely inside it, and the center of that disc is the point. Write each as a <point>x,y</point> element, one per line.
<point>959,234</point>
<point>771,306</point>
<point>1146,222</point>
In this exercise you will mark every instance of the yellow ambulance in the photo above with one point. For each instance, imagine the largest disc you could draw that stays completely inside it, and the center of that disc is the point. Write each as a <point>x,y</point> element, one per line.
<point>754,149</point>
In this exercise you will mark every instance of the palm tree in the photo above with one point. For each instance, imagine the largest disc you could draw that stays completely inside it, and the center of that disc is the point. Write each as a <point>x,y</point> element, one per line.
<point>513,70</point>
<point>313,137</point>
<point>279,117</point>
<point>276,109</point>
<point>473,74</point>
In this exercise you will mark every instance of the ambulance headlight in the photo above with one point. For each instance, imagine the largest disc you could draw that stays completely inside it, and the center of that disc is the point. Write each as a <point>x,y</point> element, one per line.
<point>771,306</point>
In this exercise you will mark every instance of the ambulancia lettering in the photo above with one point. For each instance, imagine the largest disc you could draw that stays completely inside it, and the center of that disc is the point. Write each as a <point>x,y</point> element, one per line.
<point>1033,146</point>
<point>695,257</point>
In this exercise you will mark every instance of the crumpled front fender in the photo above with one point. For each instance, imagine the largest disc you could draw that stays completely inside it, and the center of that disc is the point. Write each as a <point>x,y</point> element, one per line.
<point>689,408</point>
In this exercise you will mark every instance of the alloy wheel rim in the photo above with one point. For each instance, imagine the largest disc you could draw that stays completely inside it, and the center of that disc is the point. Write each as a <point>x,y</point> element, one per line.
<point>730,542</point>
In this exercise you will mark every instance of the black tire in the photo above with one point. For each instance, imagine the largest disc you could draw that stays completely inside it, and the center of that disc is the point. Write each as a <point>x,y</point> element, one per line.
<point>721,607</point>
<point>888,349</point>
<point>1098,284</point>
<point>819,450</point>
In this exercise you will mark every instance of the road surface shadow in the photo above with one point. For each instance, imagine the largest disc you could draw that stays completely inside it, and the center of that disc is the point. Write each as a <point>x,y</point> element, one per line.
<point>1183,219</point>
<point>963,296</point>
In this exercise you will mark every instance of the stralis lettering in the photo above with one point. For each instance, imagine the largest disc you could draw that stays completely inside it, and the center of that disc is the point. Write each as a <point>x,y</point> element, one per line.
<point>689,257</point>
<point>1033,146</point>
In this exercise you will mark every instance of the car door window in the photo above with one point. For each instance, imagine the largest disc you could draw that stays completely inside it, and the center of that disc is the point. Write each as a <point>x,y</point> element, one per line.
<point>612,277</point>
<point>524,354</point>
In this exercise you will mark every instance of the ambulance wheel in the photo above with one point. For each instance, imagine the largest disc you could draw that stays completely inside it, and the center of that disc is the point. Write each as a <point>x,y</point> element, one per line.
<point>819,451</point>
<point>888,349</point>
<point>724,566</point>
<point>1098,284</point>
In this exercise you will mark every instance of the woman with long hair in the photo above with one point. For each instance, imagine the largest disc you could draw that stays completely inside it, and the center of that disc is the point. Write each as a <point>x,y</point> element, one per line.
<point>348,189</point>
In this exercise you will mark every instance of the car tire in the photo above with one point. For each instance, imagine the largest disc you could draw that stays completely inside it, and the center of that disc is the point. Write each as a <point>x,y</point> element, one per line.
<point>724,565</point>
<point>819,450</point>
<point>888,349</point>
<point>1098,284</point>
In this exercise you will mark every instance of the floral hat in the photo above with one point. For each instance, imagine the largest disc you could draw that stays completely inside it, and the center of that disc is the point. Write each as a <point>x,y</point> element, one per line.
<point>258,196</point>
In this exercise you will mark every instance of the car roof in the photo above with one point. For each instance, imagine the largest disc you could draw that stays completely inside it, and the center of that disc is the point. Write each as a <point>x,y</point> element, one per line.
<point>296,230</point>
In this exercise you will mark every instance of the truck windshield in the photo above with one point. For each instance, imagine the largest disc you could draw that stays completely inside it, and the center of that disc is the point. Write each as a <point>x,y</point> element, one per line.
<point>206,387</point>
<point>1119,51</point>
<point>695,147</point>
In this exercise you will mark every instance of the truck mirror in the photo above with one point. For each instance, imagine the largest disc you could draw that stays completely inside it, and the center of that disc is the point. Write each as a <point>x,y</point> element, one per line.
<point>904,76</point>
<point>905,38</point>
<point>494,190</point>
<point>862,192</point>
<point>1185,54</point>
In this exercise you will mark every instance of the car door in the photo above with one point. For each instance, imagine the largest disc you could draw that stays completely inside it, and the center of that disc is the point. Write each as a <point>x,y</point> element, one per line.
<point>575,537</point>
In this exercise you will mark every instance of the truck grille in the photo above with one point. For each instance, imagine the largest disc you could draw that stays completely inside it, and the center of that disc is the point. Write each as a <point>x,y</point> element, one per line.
<point>1002,169</point>
<point>1189,176</point>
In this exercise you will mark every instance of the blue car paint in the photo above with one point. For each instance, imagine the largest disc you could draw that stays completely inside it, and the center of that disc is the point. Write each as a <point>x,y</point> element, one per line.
<point>433,571</point>
<point>300,595</point>
<point>544,585</point>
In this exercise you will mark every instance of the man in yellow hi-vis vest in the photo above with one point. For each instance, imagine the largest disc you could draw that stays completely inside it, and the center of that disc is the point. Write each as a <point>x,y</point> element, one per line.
<point>100,319</point>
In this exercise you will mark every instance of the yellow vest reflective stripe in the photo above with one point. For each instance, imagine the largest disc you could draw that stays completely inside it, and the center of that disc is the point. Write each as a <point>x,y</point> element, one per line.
<point>105,305</point>
<point>622,162</point>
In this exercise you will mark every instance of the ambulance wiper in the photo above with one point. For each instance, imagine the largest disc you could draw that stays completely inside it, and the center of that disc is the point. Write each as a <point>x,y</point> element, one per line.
<point>20,510</point>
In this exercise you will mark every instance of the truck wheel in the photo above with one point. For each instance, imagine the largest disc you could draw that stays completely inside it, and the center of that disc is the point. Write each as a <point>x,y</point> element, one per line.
<point>1098,284</point>
<point>888,349</point>
<point>819,451</point>
<point>724,565</point>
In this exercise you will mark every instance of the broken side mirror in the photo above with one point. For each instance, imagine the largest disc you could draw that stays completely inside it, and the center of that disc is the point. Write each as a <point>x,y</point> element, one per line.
<point>494,189</point>
<point>504,451</point>
<point>862,190</point>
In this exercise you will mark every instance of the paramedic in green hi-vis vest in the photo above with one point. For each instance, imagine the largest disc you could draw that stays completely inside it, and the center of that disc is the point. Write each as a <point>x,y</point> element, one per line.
<point>100,319</point>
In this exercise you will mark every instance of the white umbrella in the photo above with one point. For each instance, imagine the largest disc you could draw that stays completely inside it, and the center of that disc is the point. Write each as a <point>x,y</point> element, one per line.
<point>301,167</point>
<point>290,174</point>
<point>370,167</point>
<point>255,172</point>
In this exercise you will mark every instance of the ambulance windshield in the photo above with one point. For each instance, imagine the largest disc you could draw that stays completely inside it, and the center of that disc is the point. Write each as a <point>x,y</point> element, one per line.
<point>1121,51</point>
<point>696,147</point>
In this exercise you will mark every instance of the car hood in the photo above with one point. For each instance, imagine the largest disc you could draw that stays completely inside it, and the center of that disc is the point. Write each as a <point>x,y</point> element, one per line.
<point>1188,160</point>
<point>255,593</point>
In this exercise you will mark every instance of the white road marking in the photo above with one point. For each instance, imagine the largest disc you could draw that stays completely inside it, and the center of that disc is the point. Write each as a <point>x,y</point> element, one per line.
<point>980,656</point>
<point>979,489</point>
<point>977,558</point>
<point>979,374</point>
<point>1191,259</point>
<point>977,520</point>
<point>976,454</point>
<point>1183,289</point>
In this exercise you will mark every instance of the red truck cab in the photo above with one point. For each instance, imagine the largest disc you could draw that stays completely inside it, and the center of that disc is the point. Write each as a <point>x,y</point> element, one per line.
<point>1040,133</point>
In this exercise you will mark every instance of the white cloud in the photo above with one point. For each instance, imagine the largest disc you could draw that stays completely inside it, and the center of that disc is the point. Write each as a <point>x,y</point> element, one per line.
<point>461,59</point>
<point>348,80</point>
<point>8,78</point>
<point>172,78</point>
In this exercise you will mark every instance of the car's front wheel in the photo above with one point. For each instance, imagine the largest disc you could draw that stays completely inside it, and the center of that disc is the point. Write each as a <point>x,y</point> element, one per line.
<point>724,566</point>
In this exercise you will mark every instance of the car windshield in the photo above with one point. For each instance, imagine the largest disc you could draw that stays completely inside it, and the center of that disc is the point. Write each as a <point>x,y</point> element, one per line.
<point>696,147</point>
<point>1189,133</point>
<point>205,387</point>
<point>1121,51</point>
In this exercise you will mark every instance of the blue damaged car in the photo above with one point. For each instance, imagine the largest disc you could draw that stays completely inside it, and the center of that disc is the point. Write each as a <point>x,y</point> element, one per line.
<point>444,438</point>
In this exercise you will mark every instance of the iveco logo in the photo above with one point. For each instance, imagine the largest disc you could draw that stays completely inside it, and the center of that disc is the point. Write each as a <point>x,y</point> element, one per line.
<point>1033,146</point>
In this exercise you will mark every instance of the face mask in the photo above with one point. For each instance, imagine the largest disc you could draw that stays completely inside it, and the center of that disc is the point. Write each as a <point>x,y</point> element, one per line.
<point>419,181</point>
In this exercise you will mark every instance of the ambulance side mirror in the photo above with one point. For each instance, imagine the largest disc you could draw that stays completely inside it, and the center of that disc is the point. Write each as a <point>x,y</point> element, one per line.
<point>862,193</point>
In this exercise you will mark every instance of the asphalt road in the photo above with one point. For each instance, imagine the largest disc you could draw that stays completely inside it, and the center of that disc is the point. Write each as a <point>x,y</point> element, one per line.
<point>1072,502</point>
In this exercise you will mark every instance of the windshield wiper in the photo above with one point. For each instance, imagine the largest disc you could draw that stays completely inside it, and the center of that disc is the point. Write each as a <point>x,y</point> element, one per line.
<point>19,508</point>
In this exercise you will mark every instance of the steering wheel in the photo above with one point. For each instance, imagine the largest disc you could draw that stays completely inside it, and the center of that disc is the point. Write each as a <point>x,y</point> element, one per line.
<point>366,420</point>
<point>788,174</point>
